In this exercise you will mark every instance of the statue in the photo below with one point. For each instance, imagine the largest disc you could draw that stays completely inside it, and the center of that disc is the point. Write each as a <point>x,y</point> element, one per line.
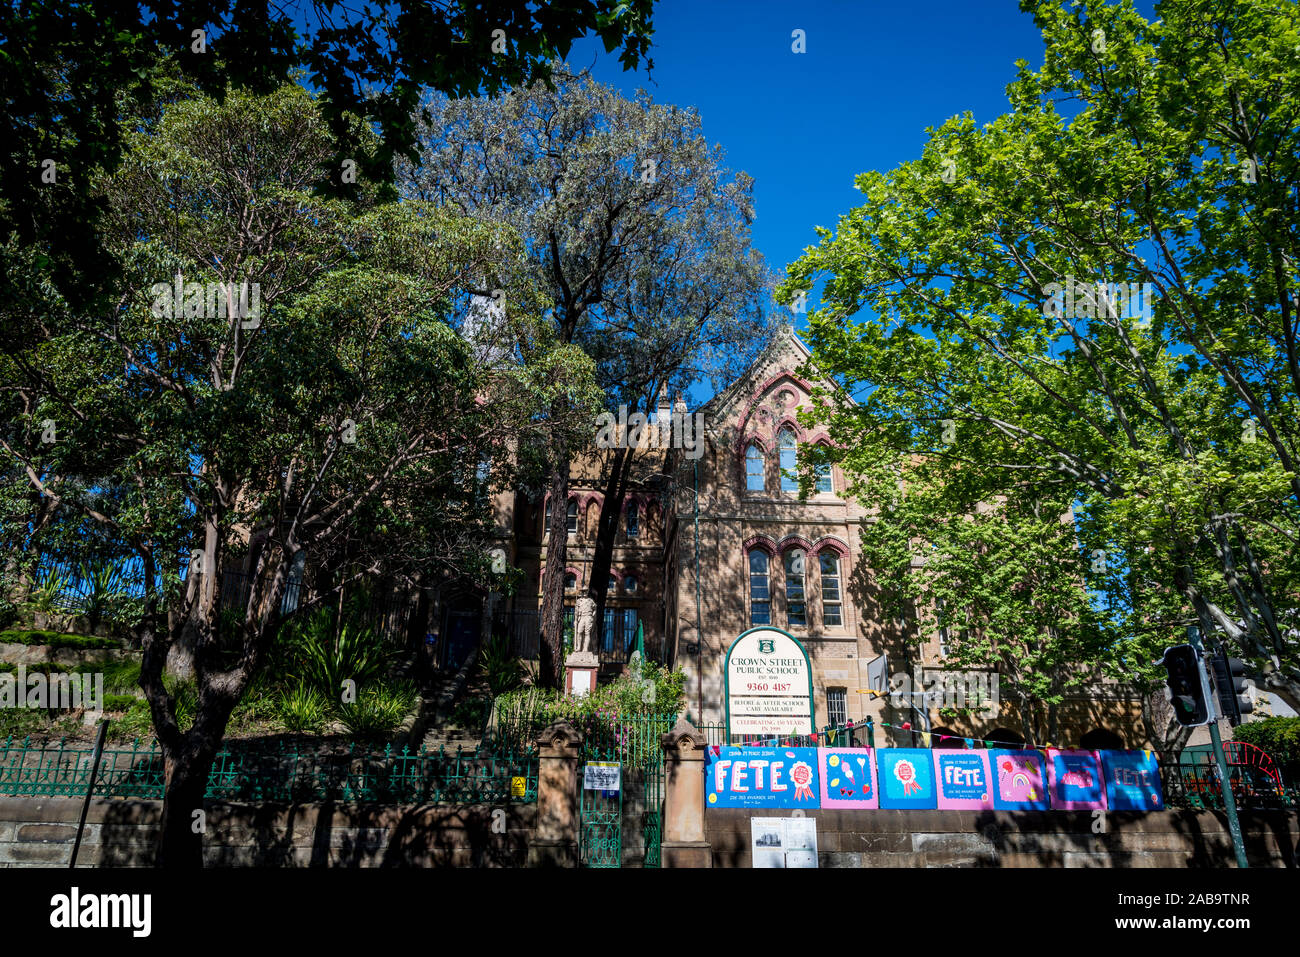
<point>584,625</point>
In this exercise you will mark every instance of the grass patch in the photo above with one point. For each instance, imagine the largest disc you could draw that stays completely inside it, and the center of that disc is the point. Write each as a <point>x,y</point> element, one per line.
<point>57,639</point>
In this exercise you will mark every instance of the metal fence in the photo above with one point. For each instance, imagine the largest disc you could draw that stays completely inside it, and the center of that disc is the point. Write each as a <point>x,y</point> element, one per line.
<point>286,771</point>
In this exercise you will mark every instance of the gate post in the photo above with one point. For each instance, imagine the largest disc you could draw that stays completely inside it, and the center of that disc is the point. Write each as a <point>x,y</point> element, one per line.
<point>555,843</point>
<point>683,842</point>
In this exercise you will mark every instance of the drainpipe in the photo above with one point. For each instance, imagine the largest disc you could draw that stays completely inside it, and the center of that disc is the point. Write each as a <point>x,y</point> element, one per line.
<point>699,628</point>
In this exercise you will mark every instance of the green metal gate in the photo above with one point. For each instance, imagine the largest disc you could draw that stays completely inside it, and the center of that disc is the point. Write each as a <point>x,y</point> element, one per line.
<point>633,742</point>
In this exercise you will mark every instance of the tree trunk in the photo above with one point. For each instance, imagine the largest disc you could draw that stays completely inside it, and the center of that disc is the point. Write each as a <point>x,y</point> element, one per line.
<point>180,844</point>
<point>611,510</point>
<point>550,653</point>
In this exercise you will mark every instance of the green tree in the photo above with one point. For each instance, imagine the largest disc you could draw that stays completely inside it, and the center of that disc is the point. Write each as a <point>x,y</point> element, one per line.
<point>217,438</point>
<point>639,236</point>
<point>1161,415</point>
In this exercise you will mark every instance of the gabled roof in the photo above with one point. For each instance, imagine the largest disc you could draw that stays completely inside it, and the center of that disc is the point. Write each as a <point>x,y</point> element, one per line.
<point>785,340</point>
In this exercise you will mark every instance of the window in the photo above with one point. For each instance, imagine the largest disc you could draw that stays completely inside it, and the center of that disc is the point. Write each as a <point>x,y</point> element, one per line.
<point>613,584</point>
<point>484,471</point>
<point>796,609</point>
<point>607,632</point>
<point>823,473</point>
<point>573,517</point>
<point>837,707</point>
<point>755,466</point>
<point>760,598</point>
<point>629,584</point>
<point>832,615</point>
<point>570,581</point>
<point>633,520</point>
<point>629,629</point>
<point>789,461</point>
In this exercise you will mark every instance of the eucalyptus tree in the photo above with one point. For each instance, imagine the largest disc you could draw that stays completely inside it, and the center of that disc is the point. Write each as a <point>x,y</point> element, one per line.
<point>280,373</point>
<point>639,236</point>
<point>1091,301</point>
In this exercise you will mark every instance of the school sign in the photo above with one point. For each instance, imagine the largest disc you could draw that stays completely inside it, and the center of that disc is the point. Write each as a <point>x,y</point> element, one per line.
<point>768,685</point>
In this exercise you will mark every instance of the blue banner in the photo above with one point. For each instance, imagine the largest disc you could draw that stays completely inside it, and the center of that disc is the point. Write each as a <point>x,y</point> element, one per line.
<point>906,778</point>
<point>1132,781</point>
<point>762,777</point>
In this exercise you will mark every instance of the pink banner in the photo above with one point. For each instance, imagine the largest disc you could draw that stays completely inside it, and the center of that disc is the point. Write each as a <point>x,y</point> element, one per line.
<point>1075,780</point>
<point>962,779</point>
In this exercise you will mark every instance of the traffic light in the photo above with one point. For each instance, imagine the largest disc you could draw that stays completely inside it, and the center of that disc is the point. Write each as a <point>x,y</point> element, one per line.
<point>1185,691</point>
<point>1230,684</point>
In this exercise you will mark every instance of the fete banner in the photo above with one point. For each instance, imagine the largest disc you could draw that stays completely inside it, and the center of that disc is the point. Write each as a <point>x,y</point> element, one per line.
<point>962,779</point>
<point>1132,781</point>
<point>1021,778</point>
<point>848,778</point>
<point>1076,780</point>
<point>906,777</point>
<point>768,685</point>
<point>761,777</point>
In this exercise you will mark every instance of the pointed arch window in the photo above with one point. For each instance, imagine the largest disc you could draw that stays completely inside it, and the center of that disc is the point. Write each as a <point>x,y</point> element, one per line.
<point>633,520</point>
<point>796,605</point>
<point>789,453</point>
<point>755,469</point>
<point>823,474</point>
<point>573,516</point>
<point>832,604</point>
<point>760,594</point>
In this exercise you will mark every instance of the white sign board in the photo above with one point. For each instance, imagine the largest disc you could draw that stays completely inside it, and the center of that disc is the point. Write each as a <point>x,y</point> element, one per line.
<point>769,685</point>
<point>783,841</point>
<point>601,776</point>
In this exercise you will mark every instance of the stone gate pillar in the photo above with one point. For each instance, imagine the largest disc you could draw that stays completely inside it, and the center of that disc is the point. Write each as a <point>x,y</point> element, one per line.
<point>683,841</point>
<point>555,842</point>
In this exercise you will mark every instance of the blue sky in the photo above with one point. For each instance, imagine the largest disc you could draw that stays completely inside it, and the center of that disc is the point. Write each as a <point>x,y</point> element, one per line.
<point>875,75</point>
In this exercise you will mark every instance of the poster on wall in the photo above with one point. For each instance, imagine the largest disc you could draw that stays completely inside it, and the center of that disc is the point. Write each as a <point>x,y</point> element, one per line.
<point>1132,781</point>
<point>962,779</point>
<point>769,685</point>
<point>848,778</point>
<point>906,778</point>
<point>1075,780</point>
<point>762,777</point>
<point>783,841</point>
<point>1020,780</point>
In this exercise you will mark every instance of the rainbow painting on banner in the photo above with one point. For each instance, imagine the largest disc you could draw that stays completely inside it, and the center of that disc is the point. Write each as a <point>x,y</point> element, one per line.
<point>1132,781</point>
<point>1076,780</point>
<point>906,777</point>
<point>1021,780</point>
<point>962,779</point>
<point>848,778</point>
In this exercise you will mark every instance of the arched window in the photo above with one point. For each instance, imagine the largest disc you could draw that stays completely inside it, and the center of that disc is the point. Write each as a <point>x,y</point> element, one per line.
<point>760,595</point>
<point>613,584</point>
<point>755,469</point>
<point>823,473</point>
<point>796,609</point>
<point>789,461</point>
<point>832,604</point>
<point>633,519</point>
<point>570,581</point>
<point>573,516</point>
<point>629,584</point>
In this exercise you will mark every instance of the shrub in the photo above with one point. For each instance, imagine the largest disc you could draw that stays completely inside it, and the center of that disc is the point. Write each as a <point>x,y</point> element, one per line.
<point>302,709</point>
<point>56,639</point>
<point>501,669</point>
<point>1280,737</point>
<point>312,652</point>
<point>378,710</point>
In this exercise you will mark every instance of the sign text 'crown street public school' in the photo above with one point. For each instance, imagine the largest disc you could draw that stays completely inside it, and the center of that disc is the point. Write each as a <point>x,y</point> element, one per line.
<point>769,685</point>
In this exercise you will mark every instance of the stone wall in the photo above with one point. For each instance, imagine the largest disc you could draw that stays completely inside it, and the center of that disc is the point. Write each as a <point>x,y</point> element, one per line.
<point>39,832</point>
<point>891,838</point>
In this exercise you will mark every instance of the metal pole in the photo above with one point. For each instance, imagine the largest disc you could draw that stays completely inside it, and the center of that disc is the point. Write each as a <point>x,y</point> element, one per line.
<point>90,790</point>
<point>1225,785</point>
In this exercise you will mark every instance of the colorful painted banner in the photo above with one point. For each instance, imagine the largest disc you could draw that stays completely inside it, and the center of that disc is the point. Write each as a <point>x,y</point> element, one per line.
<point>1021,778</point>
<point>762,777</point>
<point>1076,780</point>
<point>848,778</point>
<point>962,779</point>
<point>906,777</point>
<point>1132,781</point>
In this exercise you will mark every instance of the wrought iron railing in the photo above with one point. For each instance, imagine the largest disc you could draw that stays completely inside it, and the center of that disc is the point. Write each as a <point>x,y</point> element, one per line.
<point>286,771</point>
